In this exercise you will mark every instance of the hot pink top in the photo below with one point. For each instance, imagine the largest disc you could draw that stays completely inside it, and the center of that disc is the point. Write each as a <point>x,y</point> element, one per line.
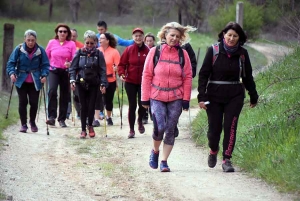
<point>58,54</point>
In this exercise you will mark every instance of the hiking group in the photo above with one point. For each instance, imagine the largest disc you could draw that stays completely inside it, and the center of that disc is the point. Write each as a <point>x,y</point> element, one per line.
<point>157,79</point>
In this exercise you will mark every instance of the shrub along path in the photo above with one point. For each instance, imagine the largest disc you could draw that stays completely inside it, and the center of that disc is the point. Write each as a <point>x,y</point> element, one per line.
<point>61,166</point>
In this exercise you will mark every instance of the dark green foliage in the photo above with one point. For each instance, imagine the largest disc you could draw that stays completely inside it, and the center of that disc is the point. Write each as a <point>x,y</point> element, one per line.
<point>253,18</point>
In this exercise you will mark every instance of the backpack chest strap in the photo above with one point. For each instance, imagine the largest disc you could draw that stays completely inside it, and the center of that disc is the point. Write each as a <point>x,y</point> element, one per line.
<point>170,61</point>
<point>165,88</point>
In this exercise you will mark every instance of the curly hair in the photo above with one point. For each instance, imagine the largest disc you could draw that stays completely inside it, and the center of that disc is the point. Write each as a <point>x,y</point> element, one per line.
<point>65,26</point>
<point>184,36</point>
<point>112,40</point>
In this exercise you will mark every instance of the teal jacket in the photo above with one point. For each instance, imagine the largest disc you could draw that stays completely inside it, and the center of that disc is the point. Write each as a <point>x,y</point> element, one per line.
<point>20,64</point>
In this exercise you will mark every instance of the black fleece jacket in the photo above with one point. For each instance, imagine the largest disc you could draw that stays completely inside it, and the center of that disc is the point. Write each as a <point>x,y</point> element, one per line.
<point>82,60</point>
<point>192,56</point>
<point>225,69</point>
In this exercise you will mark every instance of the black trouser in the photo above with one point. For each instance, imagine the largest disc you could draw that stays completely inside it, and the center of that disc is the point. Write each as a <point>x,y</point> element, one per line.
<point>25,93</point>
<point>76,103</point>
<point>99,103</point>
<point>87,98</point>
<point>58,77</point>
<point>132,90</point>
<point>109,95</point>
<point>226,114</point>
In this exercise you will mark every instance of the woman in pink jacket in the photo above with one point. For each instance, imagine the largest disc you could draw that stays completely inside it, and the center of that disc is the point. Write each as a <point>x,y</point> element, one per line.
<point>167,88</point>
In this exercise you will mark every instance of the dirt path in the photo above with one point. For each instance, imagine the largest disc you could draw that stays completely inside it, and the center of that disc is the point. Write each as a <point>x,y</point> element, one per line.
<point>60,166</point>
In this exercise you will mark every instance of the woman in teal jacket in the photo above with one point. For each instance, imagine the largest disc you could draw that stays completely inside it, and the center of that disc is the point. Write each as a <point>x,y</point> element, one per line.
<point>28,67</point>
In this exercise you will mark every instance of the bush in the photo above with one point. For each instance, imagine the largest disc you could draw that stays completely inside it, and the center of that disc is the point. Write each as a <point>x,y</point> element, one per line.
<point>253,18</point>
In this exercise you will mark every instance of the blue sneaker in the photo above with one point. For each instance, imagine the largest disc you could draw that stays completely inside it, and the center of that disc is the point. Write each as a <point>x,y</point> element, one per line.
<point>153,162</point>
<point>101,116</point>
<point>164,166</point>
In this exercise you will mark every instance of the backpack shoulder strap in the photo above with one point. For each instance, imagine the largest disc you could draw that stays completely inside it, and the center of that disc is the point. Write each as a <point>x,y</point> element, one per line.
<point>181,57</point>
<point>242,65</point>
<point>216,51</point>
<point>156,55</point>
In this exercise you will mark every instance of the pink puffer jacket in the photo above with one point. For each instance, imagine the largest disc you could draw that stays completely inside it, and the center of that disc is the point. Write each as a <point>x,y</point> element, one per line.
<point>168,82</point>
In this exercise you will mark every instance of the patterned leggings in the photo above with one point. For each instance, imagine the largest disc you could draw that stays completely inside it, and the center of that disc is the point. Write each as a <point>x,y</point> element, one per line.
<point>165,118</point>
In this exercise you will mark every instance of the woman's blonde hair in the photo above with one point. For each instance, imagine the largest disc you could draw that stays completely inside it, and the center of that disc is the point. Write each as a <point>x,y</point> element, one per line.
<point>185,38</point>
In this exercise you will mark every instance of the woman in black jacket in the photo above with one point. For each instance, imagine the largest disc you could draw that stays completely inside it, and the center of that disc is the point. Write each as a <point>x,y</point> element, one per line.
<point>225,73</point>
<point>87,73</point>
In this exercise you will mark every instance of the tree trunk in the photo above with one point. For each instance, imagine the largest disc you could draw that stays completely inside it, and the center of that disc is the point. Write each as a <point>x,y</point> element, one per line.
<point>50,10</point>
<point>179,16</point>
<point>8,44</point>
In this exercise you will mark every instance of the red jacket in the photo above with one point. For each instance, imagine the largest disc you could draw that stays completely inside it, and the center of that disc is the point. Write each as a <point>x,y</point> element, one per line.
<point>132,63</point>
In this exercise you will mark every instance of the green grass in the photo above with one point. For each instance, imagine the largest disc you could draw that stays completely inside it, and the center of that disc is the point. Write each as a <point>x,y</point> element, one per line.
<point>13,115</point>
<point>268,136</point>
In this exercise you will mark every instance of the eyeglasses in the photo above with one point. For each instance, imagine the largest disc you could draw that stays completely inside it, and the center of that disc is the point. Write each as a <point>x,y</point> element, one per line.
<point>62,31</point>
<point>87,43</point>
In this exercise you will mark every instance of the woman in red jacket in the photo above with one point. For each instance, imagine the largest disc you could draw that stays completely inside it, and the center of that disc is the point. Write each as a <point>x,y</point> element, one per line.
<point>130,70</point>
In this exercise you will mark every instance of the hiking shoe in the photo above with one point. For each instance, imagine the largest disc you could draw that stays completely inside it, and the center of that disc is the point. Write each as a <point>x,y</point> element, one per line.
<point>51,121</point>
<point>96,123</point>
<point>101,116</point>
<point>153,162</point>
<point>227,166</point>
<point>23,128</point>
<point>141,127</point>
<point>83,134</point>
<point>212,160</point>
<point>131,134</point>
<point>164,166</point>
<point>109,121</point>
<point>91,131</point>
<point>34,128</point>
<point>62,124</point>
<point>176,131</point>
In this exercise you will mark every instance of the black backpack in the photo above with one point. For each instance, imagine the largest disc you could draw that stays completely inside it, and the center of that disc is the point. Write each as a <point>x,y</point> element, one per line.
<point>157,55</point>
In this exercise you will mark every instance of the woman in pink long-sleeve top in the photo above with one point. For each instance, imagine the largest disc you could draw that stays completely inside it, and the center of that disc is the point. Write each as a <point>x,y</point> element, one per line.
<point>60,52</point>
<point>167,88</point>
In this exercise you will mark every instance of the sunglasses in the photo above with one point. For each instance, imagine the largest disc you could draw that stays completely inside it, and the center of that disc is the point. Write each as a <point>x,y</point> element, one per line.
<point>87,43</point>
<point>63,31</point>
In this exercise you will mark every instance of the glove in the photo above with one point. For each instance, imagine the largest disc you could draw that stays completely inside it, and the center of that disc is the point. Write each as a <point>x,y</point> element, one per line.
<point>185,105</point>
<point>253,97</point>
<point>145,102</point>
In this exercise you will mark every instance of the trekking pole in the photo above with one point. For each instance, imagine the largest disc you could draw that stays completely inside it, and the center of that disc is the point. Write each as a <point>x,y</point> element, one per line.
<point>73,108</point>
<point>104,105</point>
<point>117,89</point>
<point>190,122</point>
<point>45,109</point>
<point>12,88</point>
<point>37,117</point>
<point>121,111</point>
